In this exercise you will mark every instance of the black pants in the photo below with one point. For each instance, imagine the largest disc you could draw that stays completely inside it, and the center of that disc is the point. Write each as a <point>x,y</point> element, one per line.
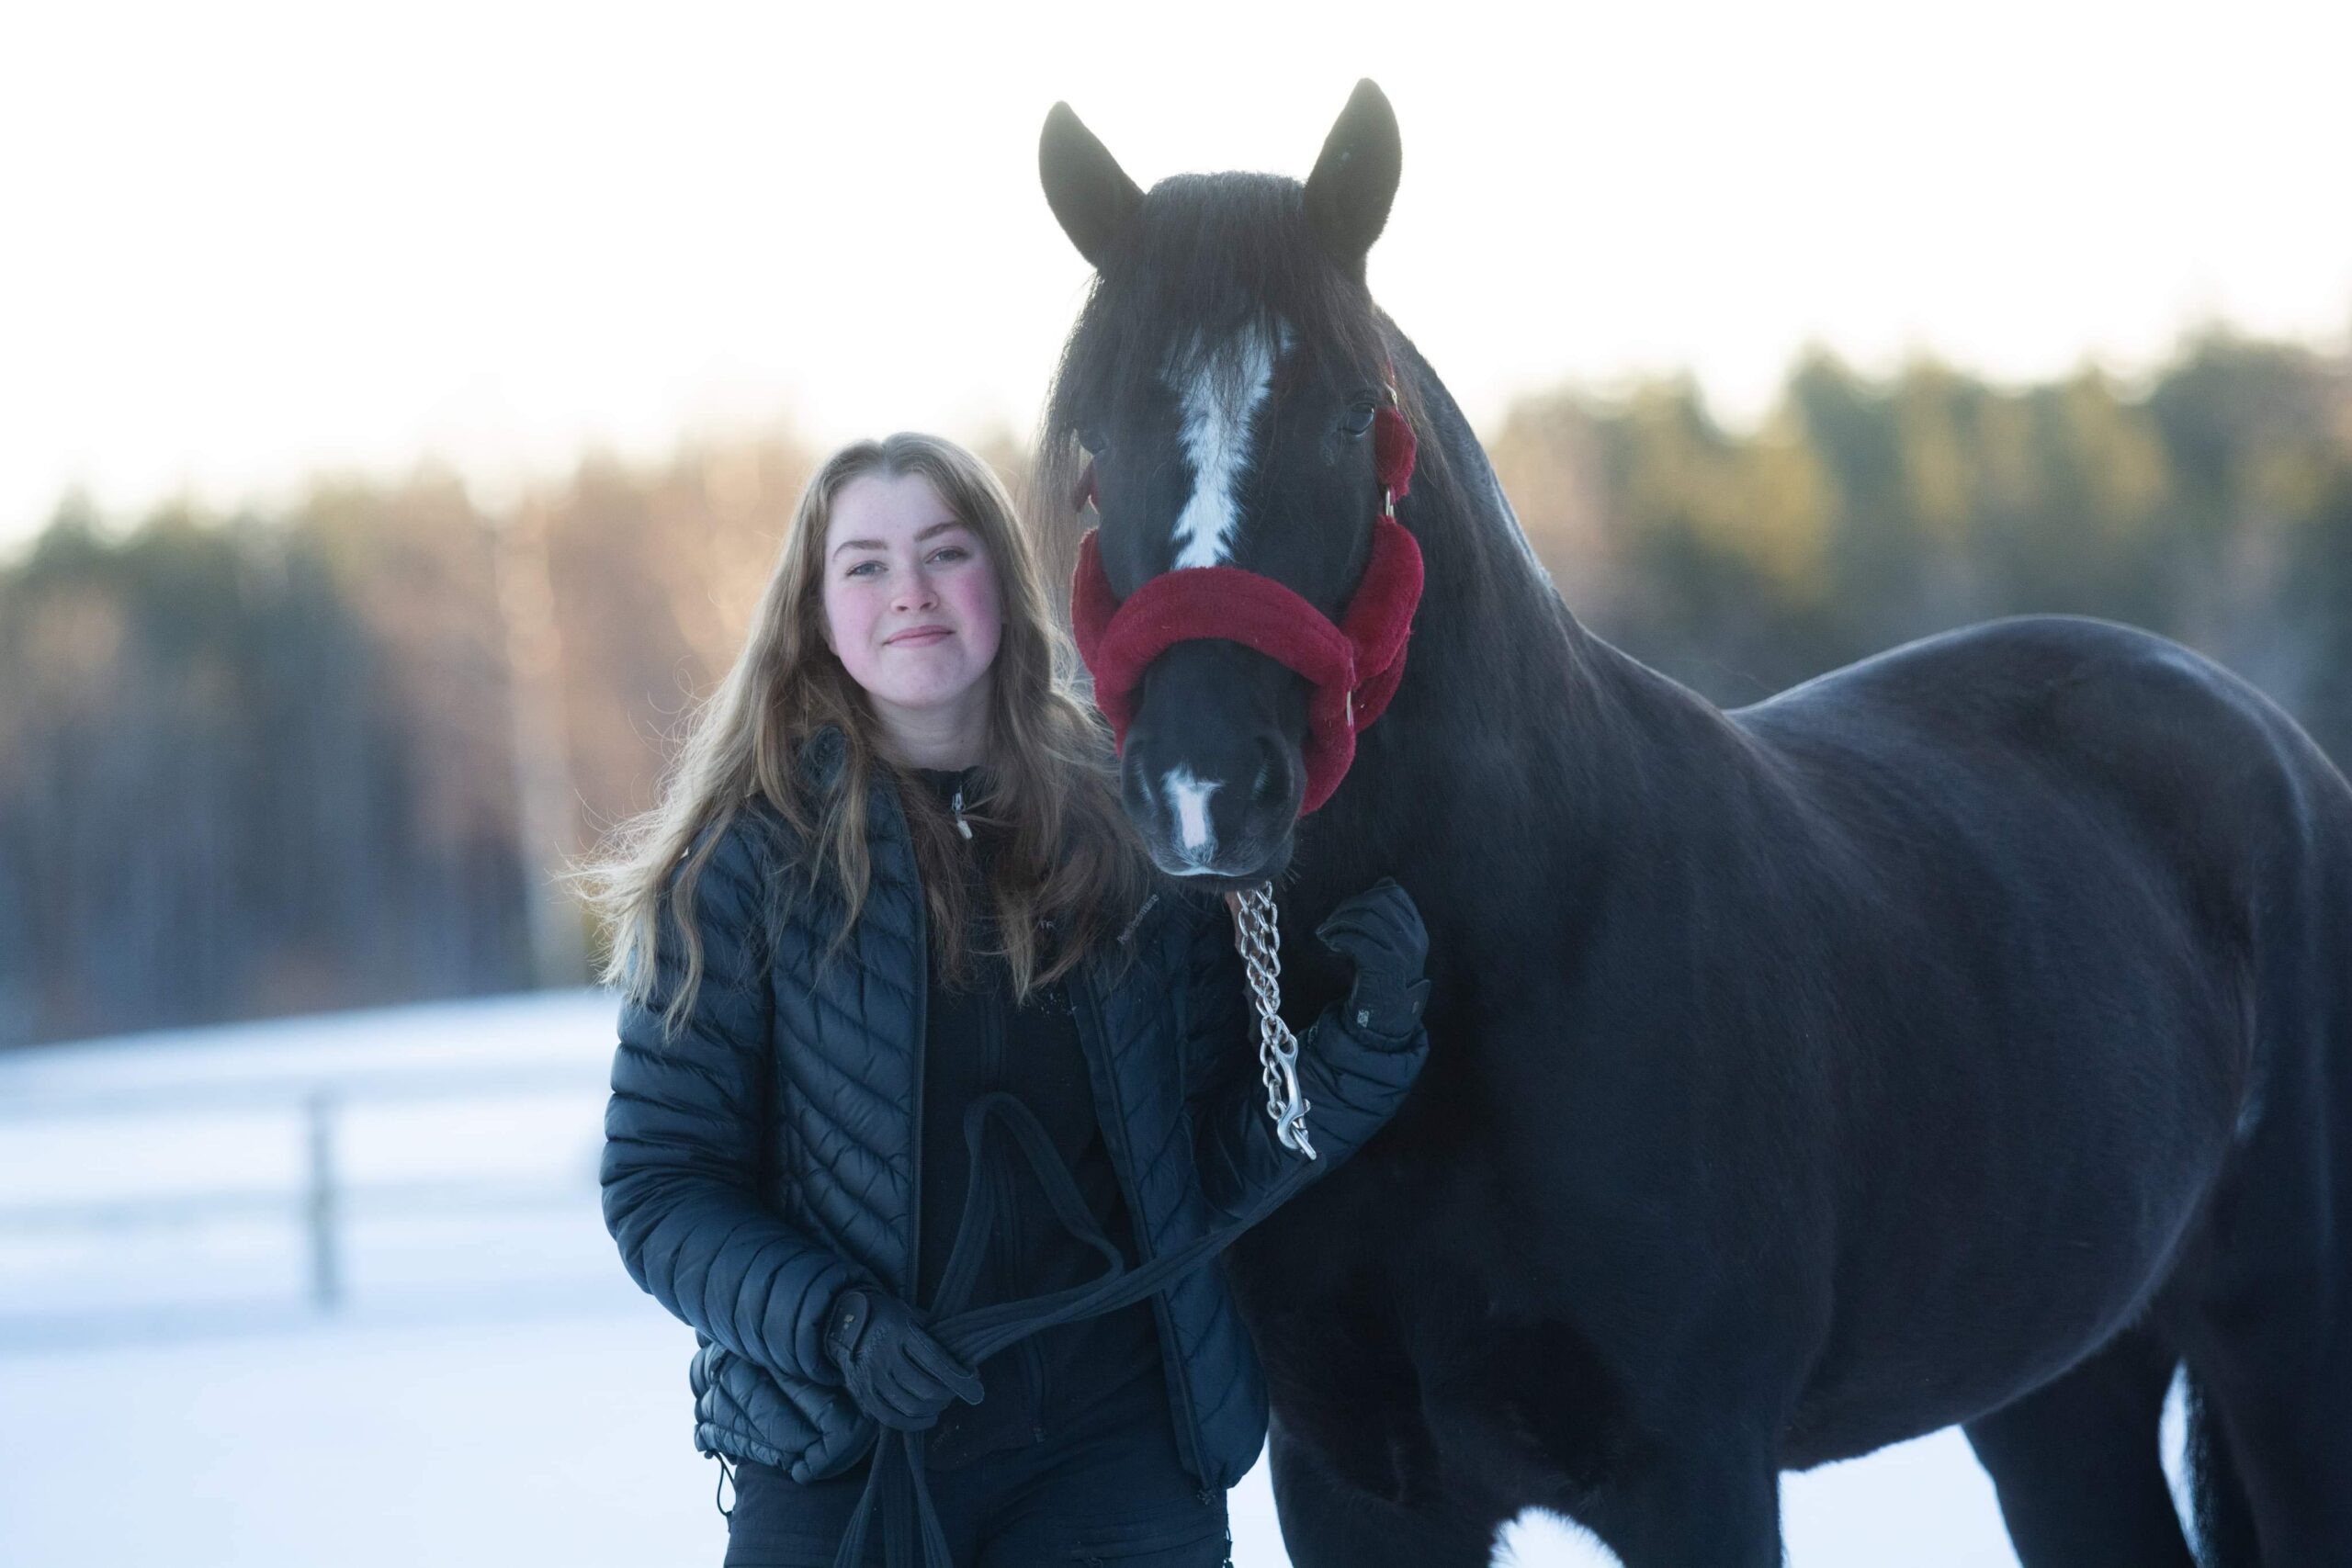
<point>1116,1497</point>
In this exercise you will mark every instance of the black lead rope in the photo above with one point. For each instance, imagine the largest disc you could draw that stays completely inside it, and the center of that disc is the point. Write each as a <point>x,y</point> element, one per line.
<point>898,1485</point>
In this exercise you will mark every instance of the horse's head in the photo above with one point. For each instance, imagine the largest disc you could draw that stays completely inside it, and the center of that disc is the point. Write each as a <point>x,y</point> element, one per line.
<point>1220,391</point>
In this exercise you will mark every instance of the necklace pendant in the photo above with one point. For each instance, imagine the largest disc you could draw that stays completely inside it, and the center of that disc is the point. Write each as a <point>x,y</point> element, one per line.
<point>961,826</point>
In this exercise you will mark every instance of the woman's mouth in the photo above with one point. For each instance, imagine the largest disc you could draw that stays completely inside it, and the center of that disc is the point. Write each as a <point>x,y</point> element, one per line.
<point>918,637</point>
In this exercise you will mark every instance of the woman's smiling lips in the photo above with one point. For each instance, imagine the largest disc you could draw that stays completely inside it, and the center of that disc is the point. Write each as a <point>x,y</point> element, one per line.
<point>917,637</point>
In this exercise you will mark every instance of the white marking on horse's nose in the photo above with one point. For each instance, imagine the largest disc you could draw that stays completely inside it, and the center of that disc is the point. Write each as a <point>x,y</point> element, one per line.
<point>1189,798</point>
<point>1220,402</point>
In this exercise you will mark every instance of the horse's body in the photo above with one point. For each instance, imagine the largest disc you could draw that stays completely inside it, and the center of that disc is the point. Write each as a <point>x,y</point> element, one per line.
<point>1963,1036</point>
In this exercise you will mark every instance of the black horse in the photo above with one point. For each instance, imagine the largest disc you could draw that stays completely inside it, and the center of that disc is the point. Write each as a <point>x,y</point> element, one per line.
<point>1963,1036</point>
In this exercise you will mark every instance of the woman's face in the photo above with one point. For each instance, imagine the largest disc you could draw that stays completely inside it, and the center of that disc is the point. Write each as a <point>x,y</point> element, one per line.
<point>912,612</point>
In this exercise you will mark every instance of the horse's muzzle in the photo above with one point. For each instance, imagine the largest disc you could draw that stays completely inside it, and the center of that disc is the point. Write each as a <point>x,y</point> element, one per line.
<point>1211,776</point>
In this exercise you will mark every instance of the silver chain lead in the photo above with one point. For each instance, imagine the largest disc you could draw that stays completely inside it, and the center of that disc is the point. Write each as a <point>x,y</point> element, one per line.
<point>1257,935</point>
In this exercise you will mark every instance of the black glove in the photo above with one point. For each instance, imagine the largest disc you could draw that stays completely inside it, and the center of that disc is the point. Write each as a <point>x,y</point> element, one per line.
<point>895,1373</point>
<point>1380,931</point>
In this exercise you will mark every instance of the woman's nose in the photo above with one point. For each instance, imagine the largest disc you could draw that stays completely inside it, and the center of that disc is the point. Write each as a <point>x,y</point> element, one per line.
<point>915,592</point>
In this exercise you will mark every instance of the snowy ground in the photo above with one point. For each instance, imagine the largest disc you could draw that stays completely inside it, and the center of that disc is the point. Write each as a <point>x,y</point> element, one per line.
<point>490,1388</point>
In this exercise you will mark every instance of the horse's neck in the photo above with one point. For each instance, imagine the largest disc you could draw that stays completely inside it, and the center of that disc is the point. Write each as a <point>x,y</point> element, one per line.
<point>1521,752</point>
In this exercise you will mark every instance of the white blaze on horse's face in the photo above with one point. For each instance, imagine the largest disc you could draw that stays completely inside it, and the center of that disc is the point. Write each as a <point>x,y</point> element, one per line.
<point>1188,798</point>
<point>1220,401</point>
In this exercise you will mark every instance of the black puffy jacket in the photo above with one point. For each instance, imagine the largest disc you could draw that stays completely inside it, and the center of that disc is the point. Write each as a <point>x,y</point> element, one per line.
<point>767,1155</point>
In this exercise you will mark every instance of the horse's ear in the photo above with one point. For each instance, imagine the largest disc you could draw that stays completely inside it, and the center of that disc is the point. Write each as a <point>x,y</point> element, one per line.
<point>1355,179</point>
<point>1089,194</point>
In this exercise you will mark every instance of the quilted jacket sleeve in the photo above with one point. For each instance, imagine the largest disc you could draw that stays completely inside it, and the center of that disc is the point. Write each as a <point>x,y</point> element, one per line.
<point>1353,1081</point>
<point>682,1140</point>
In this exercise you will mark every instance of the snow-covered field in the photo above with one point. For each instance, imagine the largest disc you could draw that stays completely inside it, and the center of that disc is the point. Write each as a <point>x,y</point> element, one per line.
<point>490,1388</point>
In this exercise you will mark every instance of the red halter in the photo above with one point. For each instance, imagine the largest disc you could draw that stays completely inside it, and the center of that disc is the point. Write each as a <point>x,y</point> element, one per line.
<point>1354,666</point>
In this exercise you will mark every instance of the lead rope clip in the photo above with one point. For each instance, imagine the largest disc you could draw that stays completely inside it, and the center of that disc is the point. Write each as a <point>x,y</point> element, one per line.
<point>1257,935</point>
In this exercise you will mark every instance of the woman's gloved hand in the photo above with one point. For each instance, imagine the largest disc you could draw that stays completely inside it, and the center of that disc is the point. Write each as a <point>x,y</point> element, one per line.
<point>895,1372</point>
<point>1380,931</point>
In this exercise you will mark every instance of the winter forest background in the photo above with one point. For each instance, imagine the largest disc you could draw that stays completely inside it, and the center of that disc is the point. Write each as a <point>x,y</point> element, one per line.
<point>324,756</point>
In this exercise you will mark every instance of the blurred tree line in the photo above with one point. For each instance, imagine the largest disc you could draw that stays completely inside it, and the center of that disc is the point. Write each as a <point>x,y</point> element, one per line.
<point>329,756</point>
<point>255,765</point>
<point>2213,504</point>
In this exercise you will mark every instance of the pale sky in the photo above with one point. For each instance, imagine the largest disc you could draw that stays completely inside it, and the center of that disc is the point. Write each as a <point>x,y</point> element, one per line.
<point>245,241</point>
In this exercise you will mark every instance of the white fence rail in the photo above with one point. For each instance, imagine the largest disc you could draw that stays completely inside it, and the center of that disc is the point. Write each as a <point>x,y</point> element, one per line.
<point>386,1154</point>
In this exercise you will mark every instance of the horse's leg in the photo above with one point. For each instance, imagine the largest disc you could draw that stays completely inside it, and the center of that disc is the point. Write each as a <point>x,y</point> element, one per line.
<point>1328,1524</point>
<point>2280,1385</point>
<point>2264,1294</point>
<point>2079,1466</point>
<point>2225,1536</point>
<point>1701,1506</point>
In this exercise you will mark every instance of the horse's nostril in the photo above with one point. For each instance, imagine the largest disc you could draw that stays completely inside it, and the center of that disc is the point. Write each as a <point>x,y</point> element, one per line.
<point>1271,781</point>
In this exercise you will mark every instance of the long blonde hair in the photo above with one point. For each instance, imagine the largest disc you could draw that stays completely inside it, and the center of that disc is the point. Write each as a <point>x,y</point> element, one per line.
<point>1069,856</point>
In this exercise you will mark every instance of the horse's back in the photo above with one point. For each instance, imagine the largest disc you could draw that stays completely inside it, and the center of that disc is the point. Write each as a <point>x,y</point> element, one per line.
<point>2024,677</point>
<point>2088,766</point>
<point>2085,711</point>
<point>2246,828</point>
<point>2128,858</point>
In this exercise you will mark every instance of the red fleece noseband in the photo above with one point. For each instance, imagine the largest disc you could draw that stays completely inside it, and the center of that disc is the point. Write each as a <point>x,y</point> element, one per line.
<point>1354,666</point>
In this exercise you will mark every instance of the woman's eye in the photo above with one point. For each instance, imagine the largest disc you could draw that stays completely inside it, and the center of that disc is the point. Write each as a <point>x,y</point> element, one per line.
<point>860,568</point>
<point>950,552</point>
<point>1358,419</point>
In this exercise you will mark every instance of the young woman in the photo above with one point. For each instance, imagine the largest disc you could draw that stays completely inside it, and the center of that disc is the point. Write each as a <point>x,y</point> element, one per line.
<point>889,887</point>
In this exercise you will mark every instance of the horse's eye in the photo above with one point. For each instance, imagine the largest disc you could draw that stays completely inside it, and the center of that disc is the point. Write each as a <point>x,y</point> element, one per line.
<point>1358,419</point>
<point>1092,439</point>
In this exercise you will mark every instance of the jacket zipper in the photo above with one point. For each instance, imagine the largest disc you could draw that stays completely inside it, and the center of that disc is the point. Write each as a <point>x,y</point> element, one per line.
<point>1014,1234</point>
<point>921,1045</point>
<point>1178,1377</point>
<point>1006,1247</point>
